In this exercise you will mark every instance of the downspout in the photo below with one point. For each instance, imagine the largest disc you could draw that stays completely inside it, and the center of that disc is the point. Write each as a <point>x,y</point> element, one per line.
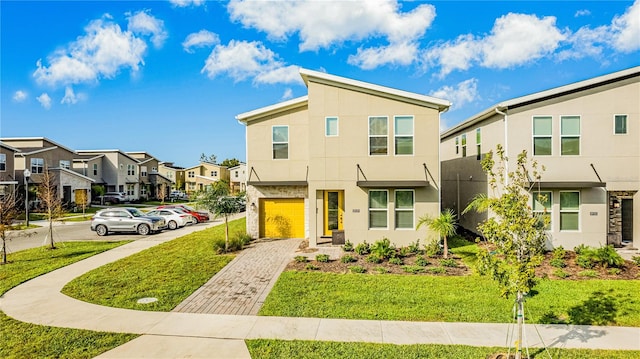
<point>506,144</point>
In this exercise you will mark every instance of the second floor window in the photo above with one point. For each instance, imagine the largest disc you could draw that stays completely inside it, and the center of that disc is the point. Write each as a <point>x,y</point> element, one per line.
<point>131,170</point>
<point>457,145</point>
<point>570,135</point>
<point>143,171</point>
<point>378,136</point>
<point>478,144</point>
<point>37,165</point>
<point>214,173</point>
<point>65,164</point>
<point>191,174</point>
<point>280,142</point>
<point>331,126</point>
<point>464,145</point>
<point>95,169</point>
<point>542,132</point>
<point>3,162</point>
<point>620,124</point>
<point>403,128</point>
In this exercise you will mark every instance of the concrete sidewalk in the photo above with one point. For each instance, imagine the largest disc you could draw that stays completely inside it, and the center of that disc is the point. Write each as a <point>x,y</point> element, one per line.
<point>178,335</point>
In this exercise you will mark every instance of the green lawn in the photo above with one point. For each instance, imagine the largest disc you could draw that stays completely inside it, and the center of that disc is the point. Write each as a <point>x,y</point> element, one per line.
<point>169,272</point>
<point>451,299</point>
<point>23,340</point>
<point>299,349</point>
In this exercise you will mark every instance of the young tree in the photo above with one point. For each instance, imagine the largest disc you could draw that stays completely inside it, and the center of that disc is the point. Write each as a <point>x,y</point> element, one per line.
<point>216,199</point>
<point>445,225</point>
<point>517,233</point>
<point>8,213</point>
<point>82,200</point>
<point>48,194</point>
<point>162,192</point>
<point>99,191</point>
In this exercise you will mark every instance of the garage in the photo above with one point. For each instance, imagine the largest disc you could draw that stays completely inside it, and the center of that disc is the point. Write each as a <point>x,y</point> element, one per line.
<point>282,218</point>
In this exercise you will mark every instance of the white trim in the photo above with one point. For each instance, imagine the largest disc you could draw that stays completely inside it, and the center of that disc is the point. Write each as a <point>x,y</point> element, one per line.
<point>273,142</point>
<point>369,135</point>
<point>571,136</point>
<point>3,160</point>
<point>377,210</point>
<point>413,135</point>
<point>272,109</point>
<point>626,121</point>
<point>534,136</point>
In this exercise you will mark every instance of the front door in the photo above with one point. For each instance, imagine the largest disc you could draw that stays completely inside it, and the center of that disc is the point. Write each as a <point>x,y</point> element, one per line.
<point>333,211</point>
<point>627,220</point>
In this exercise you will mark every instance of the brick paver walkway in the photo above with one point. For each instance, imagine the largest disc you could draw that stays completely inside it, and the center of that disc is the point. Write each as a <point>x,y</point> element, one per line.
<point>241,286</point>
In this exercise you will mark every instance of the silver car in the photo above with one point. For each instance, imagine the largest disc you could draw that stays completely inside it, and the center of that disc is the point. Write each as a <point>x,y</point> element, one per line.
<point>126,219</point>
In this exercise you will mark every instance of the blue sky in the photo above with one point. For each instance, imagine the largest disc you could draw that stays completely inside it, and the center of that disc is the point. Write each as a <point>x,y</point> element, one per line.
<point>169,77</point>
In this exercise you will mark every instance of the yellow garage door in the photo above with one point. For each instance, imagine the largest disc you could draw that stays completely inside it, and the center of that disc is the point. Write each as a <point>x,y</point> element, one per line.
<point>282,218</point>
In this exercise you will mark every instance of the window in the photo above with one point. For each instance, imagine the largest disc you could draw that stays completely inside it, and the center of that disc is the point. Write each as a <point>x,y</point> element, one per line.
<point>542,206</point>
<point>65,164</point>
<point>131,170</point>
<point>130,189</point>
<point>570,135</point>
<point>237,173</point>
<point>404,208</point>
<point>542,132</point>
<point>403,128</point>
<point>191,174</point>
<point>457,145</point>
<point>569,211</point>
<point>378,201</point>
<point>464,145</point>
<point>121,188</point>
<point>478,144</point>
<point>143,190</point>
<point>620,124</point>
<point>214,173</point>
<point>95,169</point>
<point>143,171</point>
<point>154,170</point>
<point>37,165</point>
<point>3,162</point>
<point>378,132</point>
<point>280,141</point>
<point>331,126</point>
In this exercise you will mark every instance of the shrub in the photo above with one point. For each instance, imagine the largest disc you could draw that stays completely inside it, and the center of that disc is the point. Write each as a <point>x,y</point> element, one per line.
<point>362,248</point>
<point>614,271</point>
<point>357,269</point>
<point>311,266</point>
<point>301,259</point>
<point>244,238</point>
<point>438,270</point>
<point>324,258</point>
<point>449,263</point>
<point>347,259</point>
<point>374,258</point>
<point>584,259</point>
<point>557,262</point>
<point>348,246</point>
<point>559,253</point>
<point>381,270</point>
<point>414,247</point>
<point>636,260</point>
<point>396,261</point>
<point>382,248</point>
<point>403,252</point>
<point>607,256</point>
<point>422,261</point>
<point>235,244</point>
<point>588,273</point>
<point>413,269</point>
<point>433,248</point>
<point>560,273</point>
<point>580,248</point>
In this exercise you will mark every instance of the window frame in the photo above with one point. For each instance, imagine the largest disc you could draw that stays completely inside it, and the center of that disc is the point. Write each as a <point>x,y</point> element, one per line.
<point>66,164</point>
<point>143,171</point>
<point>404,210</point>
<point>578,136</point>
<point>95,169</point>
<point>274,143</point>
<point>131,170</point>
<point>534,136</point>
<point>214,173</point>
<point>386,136</point>
<point>577,211</point>
<point>36,167</point>
<point>326,126</point>
<point>463,144</point>
<point>457,145</point>
<point>3,162</point>
<point>396,135</point>
<point>626,124</point>
<point>131,189</point>
<point>385,210</point>
<point>478,144</point>
<point>548,210</point>
<point>191,174</point>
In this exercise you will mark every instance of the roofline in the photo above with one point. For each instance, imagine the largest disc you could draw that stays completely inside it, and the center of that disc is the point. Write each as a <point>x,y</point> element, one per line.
<point>2,144</point>
<point>88,159</point>
<point>72,172</point>
<point>272,109</point>
<point>44,149</point>
<point>38,138</point>
<point>107,151</point>
<point>369,88</point>
<point>545,95</point>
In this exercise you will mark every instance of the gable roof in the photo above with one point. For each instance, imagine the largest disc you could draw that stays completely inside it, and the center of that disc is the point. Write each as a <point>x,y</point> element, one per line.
<point>541,96</point>
<point>98,152</point>
<point>273,109</point>
<point>55,144</point>
<point>2,144</point>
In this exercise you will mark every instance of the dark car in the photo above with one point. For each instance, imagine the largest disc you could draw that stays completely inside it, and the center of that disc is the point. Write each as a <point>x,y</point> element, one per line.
<point>125,219</point>
<point>200,216</point>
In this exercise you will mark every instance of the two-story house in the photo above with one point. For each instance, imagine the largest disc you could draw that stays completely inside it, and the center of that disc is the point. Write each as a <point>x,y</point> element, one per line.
<point>152,183</point>
<point>119,172</point>
<point>8,182</point>
<point>352,157</point>
<point>38,154</point>
<point>238,178</point>
<point>585,134</point>
<point>173,173</point>
<point>204,174</point>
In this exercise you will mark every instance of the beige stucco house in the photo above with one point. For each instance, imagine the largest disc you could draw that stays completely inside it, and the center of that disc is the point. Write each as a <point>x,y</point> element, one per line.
<point>586,135</point>
<point>173,173</point>
<point>351,160</point>
<point>204,174</point>
<point>120,172</point>
<point>238,178</point>
<point>152,183</point>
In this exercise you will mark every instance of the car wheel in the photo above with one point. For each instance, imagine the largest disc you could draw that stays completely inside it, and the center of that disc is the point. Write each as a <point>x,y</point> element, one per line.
<point>143,229</point>
<point>172,225</point>
<point>102,230</point>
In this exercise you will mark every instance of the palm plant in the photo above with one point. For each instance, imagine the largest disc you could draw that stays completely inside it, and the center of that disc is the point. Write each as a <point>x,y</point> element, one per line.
<point>445,225</point>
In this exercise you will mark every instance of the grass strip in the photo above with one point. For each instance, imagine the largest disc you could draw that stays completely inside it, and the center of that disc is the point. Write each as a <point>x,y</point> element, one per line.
<point>450,299</point>
<point>276,349</point>
<point>169,272</point>
<point>24,340</point>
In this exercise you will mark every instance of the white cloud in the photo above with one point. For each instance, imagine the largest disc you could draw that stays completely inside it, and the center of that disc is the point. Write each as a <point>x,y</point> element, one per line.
<point>202,38</point>
<point>396,54</point>
<point>288,94</point>
<point>20,96</point>
<point>44,100</point>
<point>241,60</point>
<point>583,12</point>
<point>335,22</point>
<point>460,94</point>
<point>143,23</point>
<point>459,54</point>
<point>626,29</point>
<point>586,42</point>
<point>185,3</point>
<point>70,97</point>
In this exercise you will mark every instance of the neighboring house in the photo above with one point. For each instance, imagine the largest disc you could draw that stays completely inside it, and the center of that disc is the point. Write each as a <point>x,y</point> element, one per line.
<point>8,182</point>
<point>204,174</point>
<point>90,166</point>
<point>120,171</point>
<point>351,157</point>
<point>40,153</point>
<point>238,178</point>
<point>173,173</point>
<point>152,183</point>
<point>586,135</point>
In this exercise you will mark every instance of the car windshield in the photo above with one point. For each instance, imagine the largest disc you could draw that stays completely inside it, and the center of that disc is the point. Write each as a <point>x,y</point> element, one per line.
<point>135,212</point>
<point>152,213</point>
<point>189,209</point>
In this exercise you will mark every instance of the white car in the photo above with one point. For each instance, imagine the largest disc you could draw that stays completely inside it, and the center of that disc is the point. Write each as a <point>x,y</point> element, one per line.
<point>174,219</point>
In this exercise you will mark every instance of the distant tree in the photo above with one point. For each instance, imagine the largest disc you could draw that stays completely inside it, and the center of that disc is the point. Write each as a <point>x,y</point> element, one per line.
<point>209,159</point>
<point>216,199</point>
<point>162,192</point>
<point>8,213</point>
<point>445,225</point>
<point>51,202</point>
<point>99,191</point>
<point>230,162</point>
<point>82,200</point>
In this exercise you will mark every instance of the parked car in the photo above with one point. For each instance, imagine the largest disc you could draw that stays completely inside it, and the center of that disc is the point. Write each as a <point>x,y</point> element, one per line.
<point>200,216</point>
<point>178,195</point>
<point>114,197</point>
<point>126,219</point>
<point>175,218</point>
